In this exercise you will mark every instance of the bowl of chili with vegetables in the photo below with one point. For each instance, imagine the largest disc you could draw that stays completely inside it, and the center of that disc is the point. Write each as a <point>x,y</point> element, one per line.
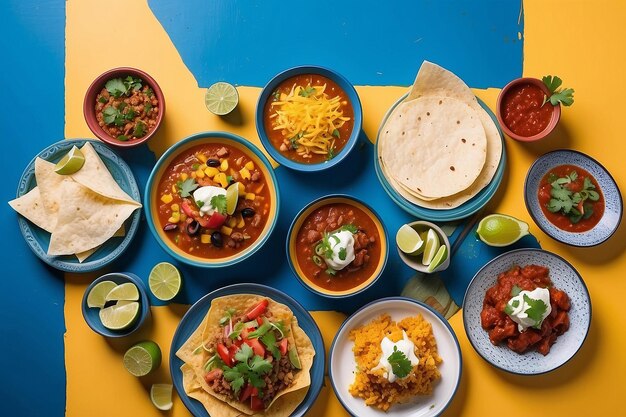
<point>573,198</point>
<point>212,200</point>
<point>308,118</point>
<point>337,246</point>
<point>124,107</point>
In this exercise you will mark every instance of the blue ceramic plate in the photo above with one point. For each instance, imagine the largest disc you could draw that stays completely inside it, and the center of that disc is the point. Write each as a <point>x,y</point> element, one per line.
<point>612,198</point>
<point>342,366</point>
<point>464,210</point>
<point>564,277</point>
<point>92,314</point>
<point>342,82</point>
<point>192,319</point>
<point>38,239</point>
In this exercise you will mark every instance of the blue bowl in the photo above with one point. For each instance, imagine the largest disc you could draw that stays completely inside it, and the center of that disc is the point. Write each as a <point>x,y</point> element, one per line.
<point>342,82</point>
<point>91,314</point>
<point>612,198</point>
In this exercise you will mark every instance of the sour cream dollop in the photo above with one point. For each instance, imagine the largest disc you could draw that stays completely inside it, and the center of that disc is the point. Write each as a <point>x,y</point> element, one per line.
<point>203,196</point>
<point>519,308</point>
<point>405,346</point>
<point>338,241</point>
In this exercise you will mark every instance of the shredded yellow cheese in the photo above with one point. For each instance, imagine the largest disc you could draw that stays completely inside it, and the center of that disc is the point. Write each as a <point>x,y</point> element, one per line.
<point>308,119</point>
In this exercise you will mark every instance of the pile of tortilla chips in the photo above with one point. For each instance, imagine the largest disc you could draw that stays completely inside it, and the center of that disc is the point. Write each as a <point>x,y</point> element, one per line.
<point>439,147</point>
<point>81,211</point>
<point>194,354</point>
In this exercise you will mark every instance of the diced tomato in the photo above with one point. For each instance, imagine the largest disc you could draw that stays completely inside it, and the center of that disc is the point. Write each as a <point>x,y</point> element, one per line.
<point>215,221</point>
<point>232,349</point>
<point>248,391</point>
<point>222,350</point>
<point>256,346</point>
<point>259,320</point>
<point>188,210</point>
<point>256,403</point>
<point>257,310</point>
<point>282,346</point>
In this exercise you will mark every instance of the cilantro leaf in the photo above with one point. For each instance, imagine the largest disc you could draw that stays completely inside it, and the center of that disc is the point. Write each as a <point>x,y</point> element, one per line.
<point>564,96</point>
<point>552,82</point>
<point>110,114</point>
<point>400,364</point>
<point>244,353</point>
<point>139,130</point>
<point>186,187</point>
<point>342,253</point>
<point>219,203</point>
<point>260,365</point>
<point>269,340</point>
<point>330,271</point>
<point>331,154</point>
<point>261,330</point>
<point>307,91</point>
<point>349,228</point>
<point>515,291</point>
<point>536,310</point>
<point>115,87</point>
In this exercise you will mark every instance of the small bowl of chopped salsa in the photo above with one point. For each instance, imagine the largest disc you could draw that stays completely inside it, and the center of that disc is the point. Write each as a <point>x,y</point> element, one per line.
<point>523,112</point>
<point>212,200</point>
<point>337,246</point>
<point>308,118</point>
<point>573,198</point>
<point>124,107</point>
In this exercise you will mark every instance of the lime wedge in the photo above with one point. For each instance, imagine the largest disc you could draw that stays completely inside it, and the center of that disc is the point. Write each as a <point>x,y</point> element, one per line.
<point>97,295</point>
<point>501,230</point>
<point>431,247</point>
<point>119,316</point>
<point>232,196</point>
<point>126,291</point>
<point>221,98</point>
<point>439,258</point>
<point>142,358</point>
<point>161,396</point>
<point>409,241</point>
<point>71,162</point>
<point>164,281</point>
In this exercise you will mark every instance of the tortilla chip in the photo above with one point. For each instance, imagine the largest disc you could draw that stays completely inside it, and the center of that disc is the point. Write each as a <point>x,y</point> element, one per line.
<point>31,206</point>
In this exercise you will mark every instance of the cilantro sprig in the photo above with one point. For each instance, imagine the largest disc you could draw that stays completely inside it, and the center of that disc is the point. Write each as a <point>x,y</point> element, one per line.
<point>574,205</point>
<point>118,87</point>
<point>564,96</point>
<point>219,203</point>
<point>536,308</point>
<point>400,364</point>
<point>250,369</point>
<point>186,187</point>
<point>307,91</point>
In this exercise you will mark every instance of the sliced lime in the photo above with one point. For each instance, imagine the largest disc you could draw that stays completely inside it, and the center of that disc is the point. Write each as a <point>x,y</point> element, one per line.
<point>126,291</point>
<point>501,230</point>
<point>232,196</point>
<point>71,162</point>
<point>119,316</point>
<point>161,396</point>
<point>431,247</point>
<point>439,258</point>
<point>97,295</point>
<point>221,98</point>
<point>164,281</point>
<point>142,358</point>
<point>409,240</point>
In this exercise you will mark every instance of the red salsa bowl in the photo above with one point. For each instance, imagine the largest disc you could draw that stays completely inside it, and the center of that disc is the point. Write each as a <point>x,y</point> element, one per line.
<point>522,113</point>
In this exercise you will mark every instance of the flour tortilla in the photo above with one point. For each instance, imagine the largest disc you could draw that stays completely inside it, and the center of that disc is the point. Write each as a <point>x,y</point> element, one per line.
<point>434,146</point>
<point>31,206</point>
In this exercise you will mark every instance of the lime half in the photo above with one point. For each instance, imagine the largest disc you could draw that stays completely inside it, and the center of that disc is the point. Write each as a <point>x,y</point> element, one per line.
<point>126,291</point>
<point>119,316</point>
<point>71,162</point>
<point>161,396</point>
<point>221,98</point>
<point>439,258</point>
<point>409,241</point>
<point>142,358</point>
<point>164,281</point>
<point>431,247</point>
<point>97,295</point>
<point>232,196</point>
<point>501,230</point>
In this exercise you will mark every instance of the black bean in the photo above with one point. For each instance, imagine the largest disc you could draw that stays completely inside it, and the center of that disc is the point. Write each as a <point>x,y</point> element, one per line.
<point>217,240</point>
<point>247,212</point>
<point>169,227</point>
<point>213,163</point>
<point>193,227</point>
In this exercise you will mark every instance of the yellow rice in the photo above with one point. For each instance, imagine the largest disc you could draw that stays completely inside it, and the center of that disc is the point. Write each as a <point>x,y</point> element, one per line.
<point>372,386</point>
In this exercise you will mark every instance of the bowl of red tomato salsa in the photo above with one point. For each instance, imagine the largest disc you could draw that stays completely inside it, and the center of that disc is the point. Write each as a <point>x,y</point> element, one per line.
<point>523,112</point>
<point>573,198</point>
<point>212,200</point>
<point>337,246</point>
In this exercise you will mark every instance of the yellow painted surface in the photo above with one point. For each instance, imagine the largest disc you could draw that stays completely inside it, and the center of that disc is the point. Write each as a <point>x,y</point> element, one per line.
<point>581,41</point>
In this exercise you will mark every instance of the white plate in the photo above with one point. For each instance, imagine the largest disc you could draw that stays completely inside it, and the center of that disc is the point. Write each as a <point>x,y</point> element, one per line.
<point>342,365</point>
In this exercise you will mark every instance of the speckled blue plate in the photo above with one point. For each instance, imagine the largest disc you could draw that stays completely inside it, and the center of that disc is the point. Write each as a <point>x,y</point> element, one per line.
<point>612,198</point>
<point>464,210</point>
<point>564,277</point>
<point>38,239</point>
<point>192,319</point>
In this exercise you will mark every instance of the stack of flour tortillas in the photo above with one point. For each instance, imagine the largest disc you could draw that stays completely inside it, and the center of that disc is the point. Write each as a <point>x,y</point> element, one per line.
<point>439,147</point>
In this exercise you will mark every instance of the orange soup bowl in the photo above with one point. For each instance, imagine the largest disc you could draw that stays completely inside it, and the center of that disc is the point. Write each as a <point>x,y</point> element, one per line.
<point>312,235</point>
<point>175,215</point>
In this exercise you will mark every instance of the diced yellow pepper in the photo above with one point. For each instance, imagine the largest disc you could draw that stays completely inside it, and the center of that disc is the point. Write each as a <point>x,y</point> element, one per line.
<point>211,172</point>
<point>193,174</point>
<point>245,173</point>
<point>175,207</point>
<point>250,196</point>
<point>183,176</point>
<point>224,165</point>
<point>241,223</point>
<point>202,157</point>
<point>202,166</point>
<point>167,198</point>
<point>232,222</point>
<point>174,188</point>
<point>200,173</point>
<point>242,188</point>
<point>183,217</point>
<point>221,179</point>
<point>205,238</point>
<point>174,218</point>
<point>249,165</point>
<point>226,230</point>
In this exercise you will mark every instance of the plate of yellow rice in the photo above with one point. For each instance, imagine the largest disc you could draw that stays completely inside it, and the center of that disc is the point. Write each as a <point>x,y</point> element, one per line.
<point>429,380</point>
